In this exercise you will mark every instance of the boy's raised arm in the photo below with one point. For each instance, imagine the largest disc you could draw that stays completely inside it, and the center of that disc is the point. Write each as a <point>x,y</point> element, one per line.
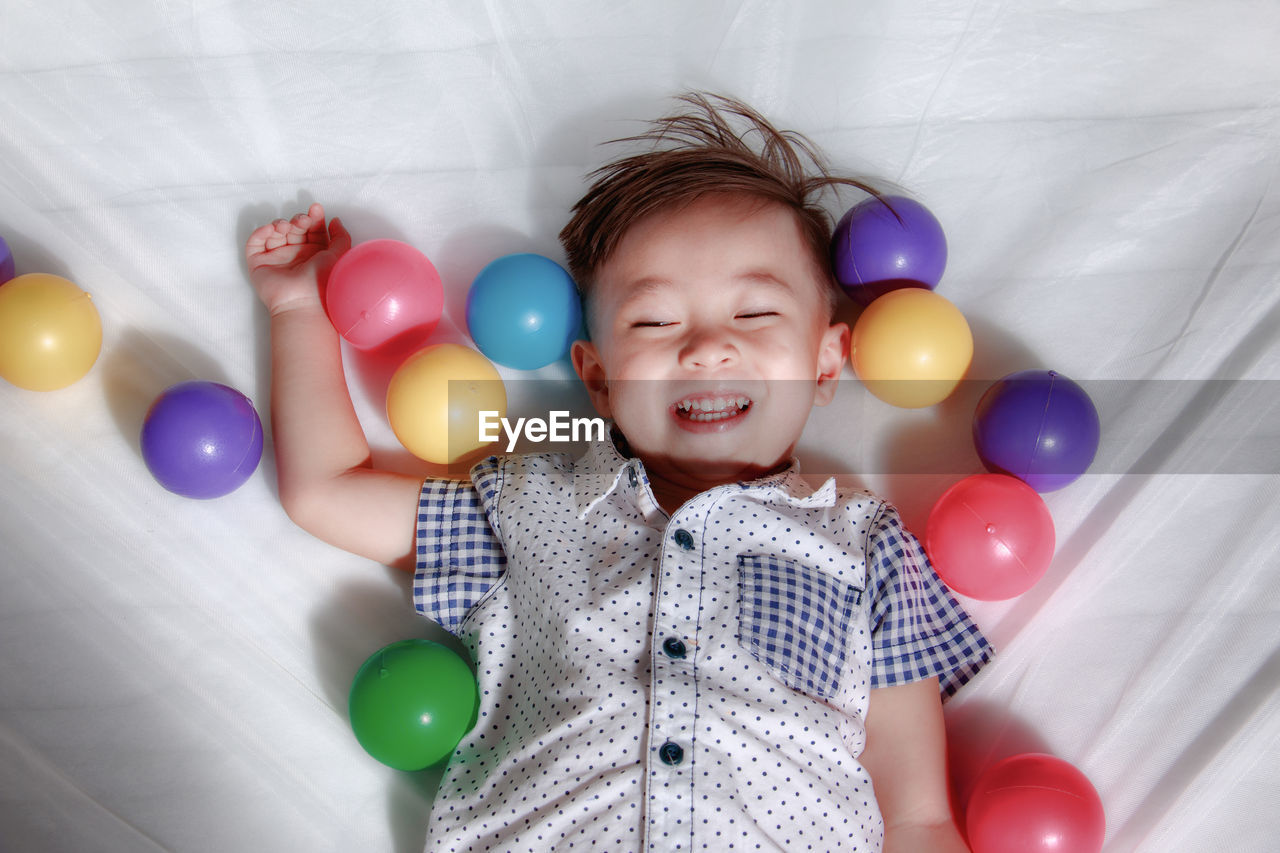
<point>327,484</point>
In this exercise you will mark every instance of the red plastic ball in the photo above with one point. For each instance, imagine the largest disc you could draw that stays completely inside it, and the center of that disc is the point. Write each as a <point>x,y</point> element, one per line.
<point>382,290</point>
<point>990,537</point>
<point>1034,803</point>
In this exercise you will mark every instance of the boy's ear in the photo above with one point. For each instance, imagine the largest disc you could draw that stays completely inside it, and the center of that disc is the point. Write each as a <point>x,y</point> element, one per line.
<point>590,369</point>
<point>831,353</point>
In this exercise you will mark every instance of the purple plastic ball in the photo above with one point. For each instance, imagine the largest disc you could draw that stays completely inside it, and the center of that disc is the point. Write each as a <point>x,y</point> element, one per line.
<point>1039,426</point>
<point>201,439</point>
<point>873,251</point>
<point>7,268</point>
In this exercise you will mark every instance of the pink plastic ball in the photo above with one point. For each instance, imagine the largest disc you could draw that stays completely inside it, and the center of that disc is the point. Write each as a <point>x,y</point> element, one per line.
<point>1034,803</point>
<point>990,537</point>
<point>383,290</point>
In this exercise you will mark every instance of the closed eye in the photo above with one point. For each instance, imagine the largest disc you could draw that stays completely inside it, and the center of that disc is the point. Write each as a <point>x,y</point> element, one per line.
<point>751,315</point>
<point>651,324</point>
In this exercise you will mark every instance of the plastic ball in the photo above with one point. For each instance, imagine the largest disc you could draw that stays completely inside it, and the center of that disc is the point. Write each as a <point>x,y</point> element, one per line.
<point>201,439</point>
<point>1034,803</point>
<point>382,290</point>
<point>50,332</point>
<point>7,268</point>
<point>879,246</point>
<point>911,348</point>
<point>523,311</point>
<point>990,537</point>
<point>1038,426</point>
<point>411,702</point>
<point>435,399</point>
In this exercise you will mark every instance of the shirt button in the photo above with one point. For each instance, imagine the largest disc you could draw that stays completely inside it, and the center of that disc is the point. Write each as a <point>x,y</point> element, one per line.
<point>632,478</point>
<point>684,539</point>
<point>671,753</point>
<point>673,648</point>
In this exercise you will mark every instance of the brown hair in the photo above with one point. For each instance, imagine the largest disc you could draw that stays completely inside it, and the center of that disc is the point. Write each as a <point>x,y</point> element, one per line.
<point>695,153</point>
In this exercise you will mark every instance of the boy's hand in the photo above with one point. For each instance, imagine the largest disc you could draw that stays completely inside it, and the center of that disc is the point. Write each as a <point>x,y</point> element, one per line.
<point>289,259</point>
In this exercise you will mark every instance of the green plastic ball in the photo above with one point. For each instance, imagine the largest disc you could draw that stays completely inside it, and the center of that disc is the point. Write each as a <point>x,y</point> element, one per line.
<point>411,702</point>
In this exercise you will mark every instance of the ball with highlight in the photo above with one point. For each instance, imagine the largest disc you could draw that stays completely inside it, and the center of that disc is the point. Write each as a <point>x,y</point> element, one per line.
<point>381,291</point>
<point>911,348</point>
<point>50,332</point>
<point>990,537</point>
<point>435,399</point>
<point>1034,803</point>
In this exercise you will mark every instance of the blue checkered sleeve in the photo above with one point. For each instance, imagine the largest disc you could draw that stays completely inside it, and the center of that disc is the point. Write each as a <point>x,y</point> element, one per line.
<point>918,629</point>
<point>459,557</point>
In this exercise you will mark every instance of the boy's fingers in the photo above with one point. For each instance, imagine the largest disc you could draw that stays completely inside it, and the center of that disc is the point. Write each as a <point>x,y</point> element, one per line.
<point>339,239</point>
<point>303,228</point>
<point>267,237</point>
<point>298,228</point>
<point>316,231</point>
<point>257,240</point>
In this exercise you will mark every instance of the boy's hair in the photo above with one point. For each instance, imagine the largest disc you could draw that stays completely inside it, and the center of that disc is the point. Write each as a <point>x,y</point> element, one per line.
<point>695,153</point>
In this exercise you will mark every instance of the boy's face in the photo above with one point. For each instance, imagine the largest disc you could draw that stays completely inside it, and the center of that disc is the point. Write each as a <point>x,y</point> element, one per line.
<point>711,340</point>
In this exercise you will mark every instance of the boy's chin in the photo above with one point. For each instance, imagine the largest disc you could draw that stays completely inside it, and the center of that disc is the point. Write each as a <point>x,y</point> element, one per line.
<point>712,468</point>
<point>709,458</point>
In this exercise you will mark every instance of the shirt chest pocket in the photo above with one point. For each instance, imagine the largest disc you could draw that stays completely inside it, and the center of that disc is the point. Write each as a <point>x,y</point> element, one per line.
<point>795,620</point>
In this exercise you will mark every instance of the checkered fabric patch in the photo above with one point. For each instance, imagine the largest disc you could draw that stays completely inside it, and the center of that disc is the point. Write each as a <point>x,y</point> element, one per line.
<point>794,619</point>
<point>459,556</point>
<point>918,629</point>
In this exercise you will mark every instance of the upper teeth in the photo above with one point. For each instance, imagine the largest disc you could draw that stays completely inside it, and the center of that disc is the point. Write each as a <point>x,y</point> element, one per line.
<point>712,404</point>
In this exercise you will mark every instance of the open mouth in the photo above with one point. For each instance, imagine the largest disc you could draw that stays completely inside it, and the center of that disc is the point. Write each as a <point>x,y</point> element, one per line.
<point>711,408</point>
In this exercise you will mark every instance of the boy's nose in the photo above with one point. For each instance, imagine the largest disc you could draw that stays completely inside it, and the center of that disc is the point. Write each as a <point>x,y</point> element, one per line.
<point>708,348</point>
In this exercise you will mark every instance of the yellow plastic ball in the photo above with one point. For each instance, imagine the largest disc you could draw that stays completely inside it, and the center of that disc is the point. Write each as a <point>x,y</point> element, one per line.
<point>50,332</point>
<point>911,348</point>
<point>435,400</point>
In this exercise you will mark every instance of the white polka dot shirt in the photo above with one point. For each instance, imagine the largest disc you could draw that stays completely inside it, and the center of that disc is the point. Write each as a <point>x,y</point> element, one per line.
<point>673,683</point>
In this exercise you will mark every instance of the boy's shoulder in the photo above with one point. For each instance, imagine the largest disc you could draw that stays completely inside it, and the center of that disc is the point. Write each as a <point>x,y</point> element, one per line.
<point>550,472</point>
<point>510,463</point>
<point>857,516</point>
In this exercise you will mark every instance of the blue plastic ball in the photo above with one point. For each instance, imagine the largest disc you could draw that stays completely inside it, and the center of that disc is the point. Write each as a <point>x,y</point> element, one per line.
<point>879,246</point>
<point>523,311</point>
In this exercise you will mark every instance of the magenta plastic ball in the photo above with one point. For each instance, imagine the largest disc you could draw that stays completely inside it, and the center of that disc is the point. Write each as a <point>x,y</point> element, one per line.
<point>1038,426</point>
<point>990,537</point>
<point>1034,803</point>
<point>381,291</point>
<point>201,439</point>
<point>879,246</point>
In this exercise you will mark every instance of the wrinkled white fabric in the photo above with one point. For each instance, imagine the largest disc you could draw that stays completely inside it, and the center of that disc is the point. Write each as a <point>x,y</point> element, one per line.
<point>173,673</point>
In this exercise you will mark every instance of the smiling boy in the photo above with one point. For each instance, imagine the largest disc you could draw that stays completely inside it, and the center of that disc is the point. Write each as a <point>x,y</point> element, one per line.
<point>711,342</point>
<point>680,643</point>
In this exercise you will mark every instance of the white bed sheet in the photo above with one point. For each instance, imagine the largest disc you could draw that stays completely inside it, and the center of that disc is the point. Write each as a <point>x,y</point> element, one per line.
<point>173,673</point>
